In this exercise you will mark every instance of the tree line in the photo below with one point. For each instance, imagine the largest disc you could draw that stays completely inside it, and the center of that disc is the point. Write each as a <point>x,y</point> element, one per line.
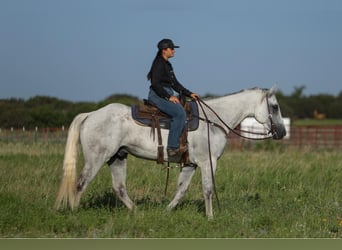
<point>50,112</point>
<point>299,106</point>
<point>45,111</point>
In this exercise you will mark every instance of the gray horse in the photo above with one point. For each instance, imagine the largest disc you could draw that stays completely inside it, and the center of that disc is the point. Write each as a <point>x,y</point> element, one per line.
<point>109,134</point>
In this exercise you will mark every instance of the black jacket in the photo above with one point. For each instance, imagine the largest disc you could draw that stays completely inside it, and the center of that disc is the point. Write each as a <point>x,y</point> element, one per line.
<point>162,75</point>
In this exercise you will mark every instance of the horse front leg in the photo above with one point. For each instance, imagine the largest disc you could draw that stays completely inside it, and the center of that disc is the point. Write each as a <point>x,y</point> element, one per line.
<point>184,180</point>
<point>208,187</point>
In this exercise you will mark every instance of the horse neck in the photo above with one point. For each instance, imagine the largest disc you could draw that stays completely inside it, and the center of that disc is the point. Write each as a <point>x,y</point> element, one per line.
<point>236,107</point>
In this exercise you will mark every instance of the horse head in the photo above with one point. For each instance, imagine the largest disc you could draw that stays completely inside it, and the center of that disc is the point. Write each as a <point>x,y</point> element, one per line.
<point>269,115</point>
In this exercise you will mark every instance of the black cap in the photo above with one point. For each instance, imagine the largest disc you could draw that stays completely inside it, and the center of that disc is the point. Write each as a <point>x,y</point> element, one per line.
<point>166,43</point>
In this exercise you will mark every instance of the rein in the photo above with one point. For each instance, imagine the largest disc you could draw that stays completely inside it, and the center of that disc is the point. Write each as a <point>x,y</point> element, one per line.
<point>200,101</point>
<point>209,152</point>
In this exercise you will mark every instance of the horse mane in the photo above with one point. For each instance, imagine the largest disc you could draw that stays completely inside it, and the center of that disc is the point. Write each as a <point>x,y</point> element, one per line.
<point>263,90</point>
<point>245,90</point>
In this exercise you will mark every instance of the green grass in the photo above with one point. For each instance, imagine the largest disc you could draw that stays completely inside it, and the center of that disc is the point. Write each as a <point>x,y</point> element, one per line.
<point>314,122</point>
<point>276,193</point>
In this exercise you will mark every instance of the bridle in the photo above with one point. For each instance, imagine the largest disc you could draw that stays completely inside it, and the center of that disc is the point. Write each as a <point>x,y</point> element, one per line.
<point>273,130</point>
<point>237,131</point>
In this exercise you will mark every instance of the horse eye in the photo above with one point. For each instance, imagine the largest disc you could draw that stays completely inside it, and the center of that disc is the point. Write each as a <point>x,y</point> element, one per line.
<point>275,107</point>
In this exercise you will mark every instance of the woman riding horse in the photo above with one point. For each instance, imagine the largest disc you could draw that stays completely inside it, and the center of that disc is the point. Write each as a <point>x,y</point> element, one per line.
<point>161,94</point>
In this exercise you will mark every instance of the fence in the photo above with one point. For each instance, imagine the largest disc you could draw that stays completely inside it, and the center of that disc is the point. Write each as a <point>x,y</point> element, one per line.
<point>316,136</point>
<point>47,135</point>
<point>300,136</point>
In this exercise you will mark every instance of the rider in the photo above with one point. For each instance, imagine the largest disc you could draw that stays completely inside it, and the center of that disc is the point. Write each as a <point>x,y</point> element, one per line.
<point>161,94</point>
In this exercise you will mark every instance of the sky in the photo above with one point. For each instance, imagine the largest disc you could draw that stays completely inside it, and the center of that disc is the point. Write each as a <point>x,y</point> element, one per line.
<point>87,50</point>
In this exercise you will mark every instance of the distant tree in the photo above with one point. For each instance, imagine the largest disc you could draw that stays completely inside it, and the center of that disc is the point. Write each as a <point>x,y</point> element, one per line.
<point>335,108</point>
<point>77,108</point>
<point>321,103</point>
<point>45,116</point>
<point>209,96</point>
<point>298,92</point>
<point>286,109</point>
<point>340,96</point>
<point>13,113</point>
<point>120,98</point>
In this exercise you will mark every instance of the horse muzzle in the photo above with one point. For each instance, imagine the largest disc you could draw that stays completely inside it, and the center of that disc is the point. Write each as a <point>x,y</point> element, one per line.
<point>278,131</point>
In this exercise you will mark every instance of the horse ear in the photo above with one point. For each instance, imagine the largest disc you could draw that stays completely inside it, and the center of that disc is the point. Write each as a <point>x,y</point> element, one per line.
<point>272,90</point>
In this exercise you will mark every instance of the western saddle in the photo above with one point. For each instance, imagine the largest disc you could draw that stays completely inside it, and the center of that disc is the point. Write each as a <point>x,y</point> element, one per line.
<point>146,114</point>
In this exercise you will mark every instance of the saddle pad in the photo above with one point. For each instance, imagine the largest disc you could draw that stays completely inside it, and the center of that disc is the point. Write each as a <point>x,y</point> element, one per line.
<point>143,114</point>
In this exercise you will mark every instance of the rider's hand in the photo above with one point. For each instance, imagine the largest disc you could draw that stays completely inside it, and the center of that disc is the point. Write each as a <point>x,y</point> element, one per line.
<point>174,99</point>
<point>195,96</point>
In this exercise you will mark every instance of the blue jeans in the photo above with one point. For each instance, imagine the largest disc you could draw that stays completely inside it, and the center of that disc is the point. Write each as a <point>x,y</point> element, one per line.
<point>176,111</point>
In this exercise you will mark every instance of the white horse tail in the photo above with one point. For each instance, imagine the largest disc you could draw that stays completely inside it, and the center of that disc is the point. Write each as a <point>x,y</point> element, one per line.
<point>67,191</point>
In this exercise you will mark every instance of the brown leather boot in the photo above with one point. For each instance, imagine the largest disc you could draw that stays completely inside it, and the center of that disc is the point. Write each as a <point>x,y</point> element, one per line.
<point>183,148</point>
<point>173,155</point>
<point>172,152</point>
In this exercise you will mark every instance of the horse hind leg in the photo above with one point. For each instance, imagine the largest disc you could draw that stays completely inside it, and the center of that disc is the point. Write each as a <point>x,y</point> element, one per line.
<point>184,180</point>
<point>87,175</point>
<point>118,166</point>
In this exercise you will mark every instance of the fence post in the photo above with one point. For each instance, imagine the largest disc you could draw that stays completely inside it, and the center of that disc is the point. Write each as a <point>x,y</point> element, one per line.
<point>36,134</point>
<point>12,134</point>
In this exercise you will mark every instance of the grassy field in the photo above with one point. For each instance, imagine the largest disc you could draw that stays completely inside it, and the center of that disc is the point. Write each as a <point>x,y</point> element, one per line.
<point>277,193</point>
<point>315,122</point>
